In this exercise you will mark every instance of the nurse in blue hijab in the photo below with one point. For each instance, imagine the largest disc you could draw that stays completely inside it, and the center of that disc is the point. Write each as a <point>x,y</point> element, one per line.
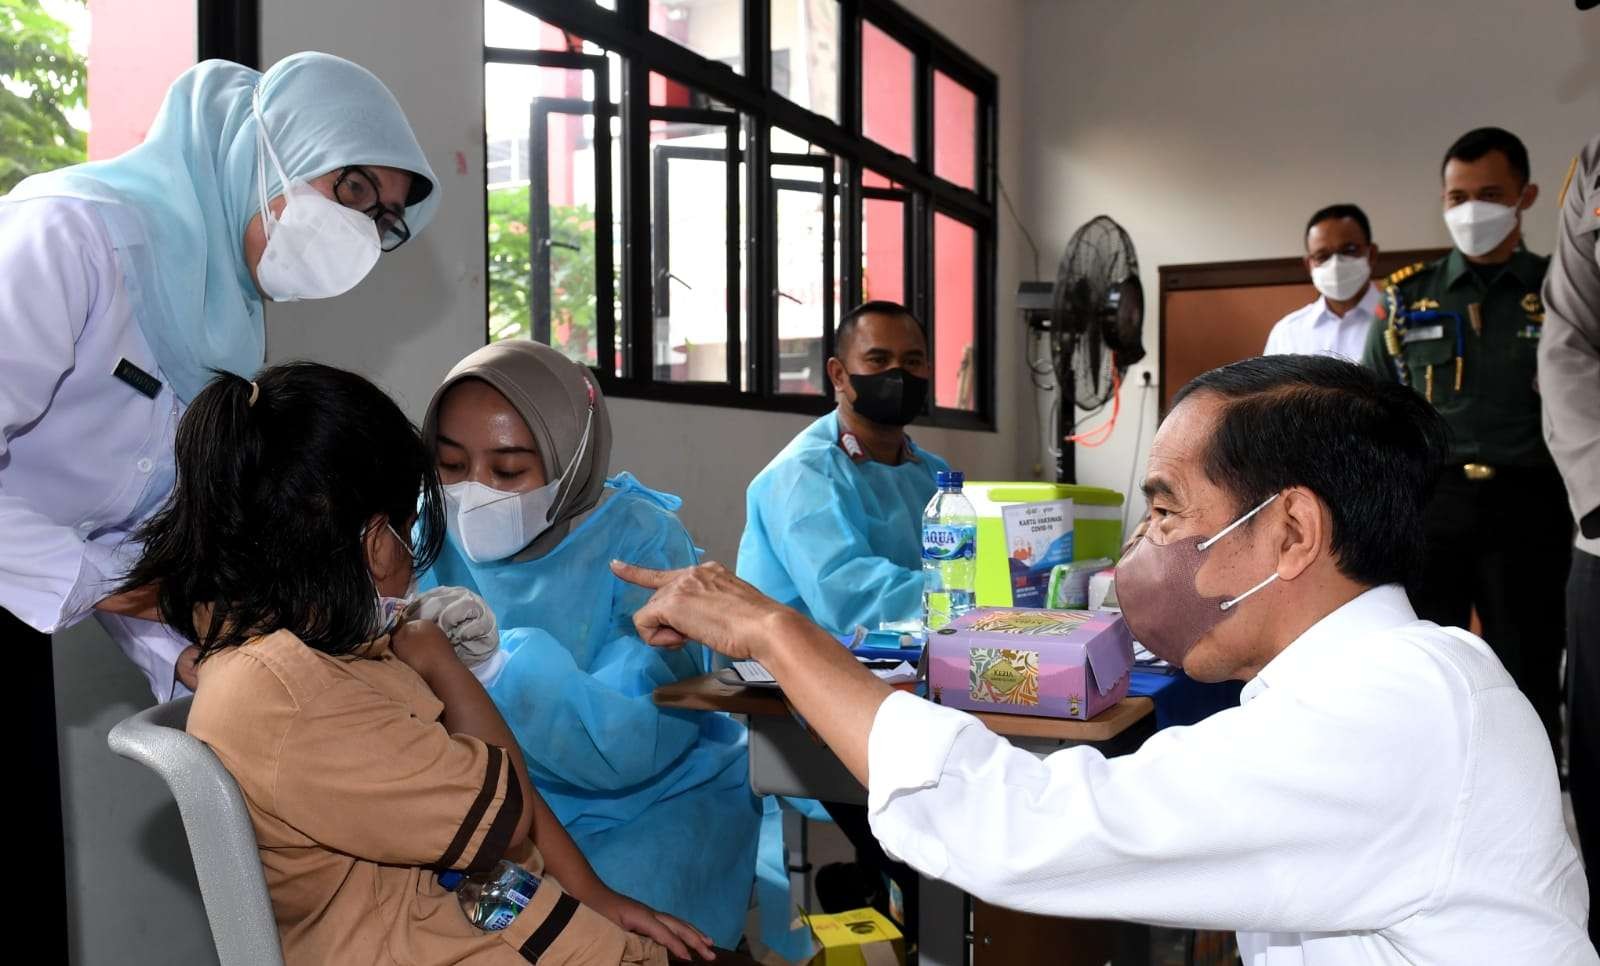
<point>657,799</point>
<point>125,283</point>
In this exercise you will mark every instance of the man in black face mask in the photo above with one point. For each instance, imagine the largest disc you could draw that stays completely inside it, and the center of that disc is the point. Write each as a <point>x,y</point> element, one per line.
<point>833,529</point>
<point>833,524</point>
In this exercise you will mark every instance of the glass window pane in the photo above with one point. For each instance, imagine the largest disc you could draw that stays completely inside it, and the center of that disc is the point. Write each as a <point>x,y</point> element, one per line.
<point>666,92</point>
<point>691,242</point>
<point>783,142</point>
<point>803,296</point>
<point>955,132</point>
<point>711,28</point>
<point>508,26</point>
<point>805,53</point>
<point>543,178</point>
<point>883,249</point>
<point>888,83</point>
<point>955,321</point>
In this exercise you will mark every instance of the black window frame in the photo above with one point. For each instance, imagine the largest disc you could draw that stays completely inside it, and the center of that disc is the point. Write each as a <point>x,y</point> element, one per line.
<point>750,98</point>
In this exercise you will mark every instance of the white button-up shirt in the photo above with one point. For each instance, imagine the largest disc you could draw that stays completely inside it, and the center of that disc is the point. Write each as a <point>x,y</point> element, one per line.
<point>84,456</point>
<point>1313,330</point>
<point>1383,795</point>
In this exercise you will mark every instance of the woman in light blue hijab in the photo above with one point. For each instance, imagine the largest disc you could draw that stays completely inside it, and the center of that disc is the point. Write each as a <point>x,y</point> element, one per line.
<point>124,283</point>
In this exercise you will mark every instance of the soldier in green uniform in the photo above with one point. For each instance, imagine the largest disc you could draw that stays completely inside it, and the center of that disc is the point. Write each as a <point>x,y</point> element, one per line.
<point>1464,332</point>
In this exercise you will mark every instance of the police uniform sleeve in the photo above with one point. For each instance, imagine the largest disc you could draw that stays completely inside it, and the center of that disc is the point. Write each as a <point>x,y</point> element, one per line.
<point>1569,345</point>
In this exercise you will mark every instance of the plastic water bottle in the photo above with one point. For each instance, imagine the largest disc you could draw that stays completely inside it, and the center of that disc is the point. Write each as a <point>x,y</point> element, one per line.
<point>949,553</point>
<point>492,903</point>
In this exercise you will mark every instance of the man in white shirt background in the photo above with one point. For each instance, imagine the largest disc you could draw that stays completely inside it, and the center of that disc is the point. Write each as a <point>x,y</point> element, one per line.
<point>1340,256</point>
<point>1384,794</point>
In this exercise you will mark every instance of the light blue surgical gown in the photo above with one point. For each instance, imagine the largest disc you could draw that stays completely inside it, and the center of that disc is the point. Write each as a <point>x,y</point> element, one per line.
<point>658,800</point>
<point>838,540</point>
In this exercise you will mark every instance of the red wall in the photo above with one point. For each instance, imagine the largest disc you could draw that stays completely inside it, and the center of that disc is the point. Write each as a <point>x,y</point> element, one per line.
<point>136,51</point>
<point>954,300</point>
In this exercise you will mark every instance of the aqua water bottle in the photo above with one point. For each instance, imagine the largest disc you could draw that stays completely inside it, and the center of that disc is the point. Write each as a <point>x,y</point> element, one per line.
<point>949,552</point>
<point>492,903</point>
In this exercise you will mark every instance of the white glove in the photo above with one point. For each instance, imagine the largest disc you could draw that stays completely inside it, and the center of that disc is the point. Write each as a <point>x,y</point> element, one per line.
<point>465,619</point>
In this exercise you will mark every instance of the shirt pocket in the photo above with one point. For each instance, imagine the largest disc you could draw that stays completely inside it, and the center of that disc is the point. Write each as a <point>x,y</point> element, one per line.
<point>1435,355</point>
<point>1521,384</point>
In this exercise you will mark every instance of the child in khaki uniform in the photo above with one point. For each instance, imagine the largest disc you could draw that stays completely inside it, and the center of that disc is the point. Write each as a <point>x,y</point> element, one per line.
<point>369,756</point>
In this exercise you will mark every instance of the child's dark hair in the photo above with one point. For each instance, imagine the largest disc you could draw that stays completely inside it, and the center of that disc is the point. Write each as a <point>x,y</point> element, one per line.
<point>272,501</point>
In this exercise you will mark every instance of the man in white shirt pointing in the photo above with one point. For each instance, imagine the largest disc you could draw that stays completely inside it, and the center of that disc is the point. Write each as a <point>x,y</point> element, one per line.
<point>1340,256</point>
<point>1383,795</point>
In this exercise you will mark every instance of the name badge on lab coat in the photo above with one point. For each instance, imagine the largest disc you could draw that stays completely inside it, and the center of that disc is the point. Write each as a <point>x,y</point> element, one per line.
<point>1423,334</point>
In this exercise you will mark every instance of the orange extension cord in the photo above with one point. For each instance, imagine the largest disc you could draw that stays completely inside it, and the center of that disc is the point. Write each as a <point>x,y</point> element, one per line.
<point>1099,435</point>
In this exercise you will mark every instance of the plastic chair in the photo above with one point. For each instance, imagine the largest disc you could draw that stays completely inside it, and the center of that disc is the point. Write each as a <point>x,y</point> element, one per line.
<point>222,842</point>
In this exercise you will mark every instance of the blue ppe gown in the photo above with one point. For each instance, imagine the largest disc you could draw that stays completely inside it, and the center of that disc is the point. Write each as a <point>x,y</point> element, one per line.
<point>658,800</point>
<point>837,539</point>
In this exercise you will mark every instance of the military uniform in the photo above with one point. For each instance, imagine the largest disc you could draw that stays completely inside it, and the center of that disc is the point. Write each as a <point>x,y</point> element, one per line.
<point>1498,532</point>
<point>1569,358</point>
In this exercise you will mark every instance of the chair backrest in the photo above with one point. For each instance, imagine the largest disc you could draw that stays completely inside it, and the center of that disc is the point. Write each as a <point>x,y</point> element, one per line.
<point>222,841</point>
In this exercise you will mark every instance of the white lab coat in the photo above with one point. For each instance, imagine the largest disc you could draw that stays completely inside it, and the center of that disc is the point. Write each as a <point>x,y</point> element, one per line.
<point>1384,795</point>
<point>84,457</point>
<point>1313,330</point>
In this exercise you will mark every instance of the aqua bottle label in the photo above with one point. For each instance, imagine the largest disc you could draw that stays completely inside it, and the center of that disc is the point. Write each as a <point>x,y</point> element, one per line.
<point>942,541</point>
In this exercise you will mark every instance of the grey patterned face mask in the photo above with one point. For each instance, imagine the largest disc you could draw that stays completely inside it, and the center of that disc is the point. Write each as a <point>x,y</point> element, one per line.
<point>1160,601</point>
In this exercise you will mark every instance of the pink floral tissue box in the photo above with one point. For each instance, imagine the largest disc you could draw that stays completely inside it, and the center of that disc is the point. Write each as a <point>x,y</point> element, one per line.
<point>1018,660</point>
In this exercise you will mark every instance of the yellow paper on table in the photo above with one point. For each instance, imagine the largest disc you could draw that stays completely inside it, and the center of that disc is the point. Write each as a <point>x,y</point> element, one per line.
<point>860,937</point>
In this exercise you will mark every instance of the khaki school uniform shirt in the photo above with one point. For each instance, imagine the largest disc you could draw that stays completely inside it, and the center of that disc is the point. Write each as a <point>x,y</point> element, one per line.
<point>358,794</point>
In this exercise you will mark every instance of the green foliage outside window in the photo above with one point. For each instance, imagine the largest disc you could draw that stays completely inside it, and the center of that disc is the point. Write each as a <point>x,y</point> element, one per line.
<point>41,78</point>
<point>572,295</point>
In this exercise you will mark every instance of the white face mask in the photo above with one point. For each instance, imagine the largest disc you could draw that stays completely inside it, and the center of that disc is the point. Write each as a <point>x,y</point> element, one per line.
<point>317,248</point>
<point>1341,276</point>
<point>489,524</point>
<point>1477,227</point>
<point>389,609</point>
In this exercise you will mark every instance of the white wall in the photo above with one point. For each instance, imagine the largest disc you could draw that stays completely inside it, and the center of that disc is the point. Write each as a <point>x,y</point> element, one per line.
<point>1212,130</point>
<point>423,308</point>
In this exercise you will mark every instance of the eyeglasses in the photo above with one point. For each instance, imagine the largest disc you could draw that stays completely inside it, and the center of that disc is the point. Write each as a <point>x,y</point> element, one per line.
<point>1352,250</point>
<point>356,189</point>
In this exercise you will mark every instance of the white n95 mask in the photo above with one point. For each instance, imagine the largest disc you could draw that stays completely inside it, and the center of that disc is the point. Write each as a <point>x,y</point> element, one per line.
<point>317,248</point>
<point>489,524</point>
<point>1478,226</point>
<point>1341,276</point>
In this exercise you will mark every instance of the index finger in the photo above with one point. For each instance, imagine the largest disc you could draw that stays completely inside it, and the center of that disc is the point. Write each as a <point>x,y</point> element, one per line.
<point>643,576</point>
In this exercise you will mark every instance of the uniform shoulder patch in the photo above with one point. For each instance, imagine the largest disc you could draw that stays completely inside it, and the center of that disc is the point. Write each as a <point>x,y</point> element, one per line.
<point>1401,274</point>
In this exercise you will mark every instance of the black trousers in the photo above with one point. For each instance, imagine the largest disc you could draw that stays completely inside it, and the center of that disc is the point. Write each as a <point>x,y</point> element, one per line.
<point>1583,716</point>
<point>1503,546</point>
<point>40,804</point>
